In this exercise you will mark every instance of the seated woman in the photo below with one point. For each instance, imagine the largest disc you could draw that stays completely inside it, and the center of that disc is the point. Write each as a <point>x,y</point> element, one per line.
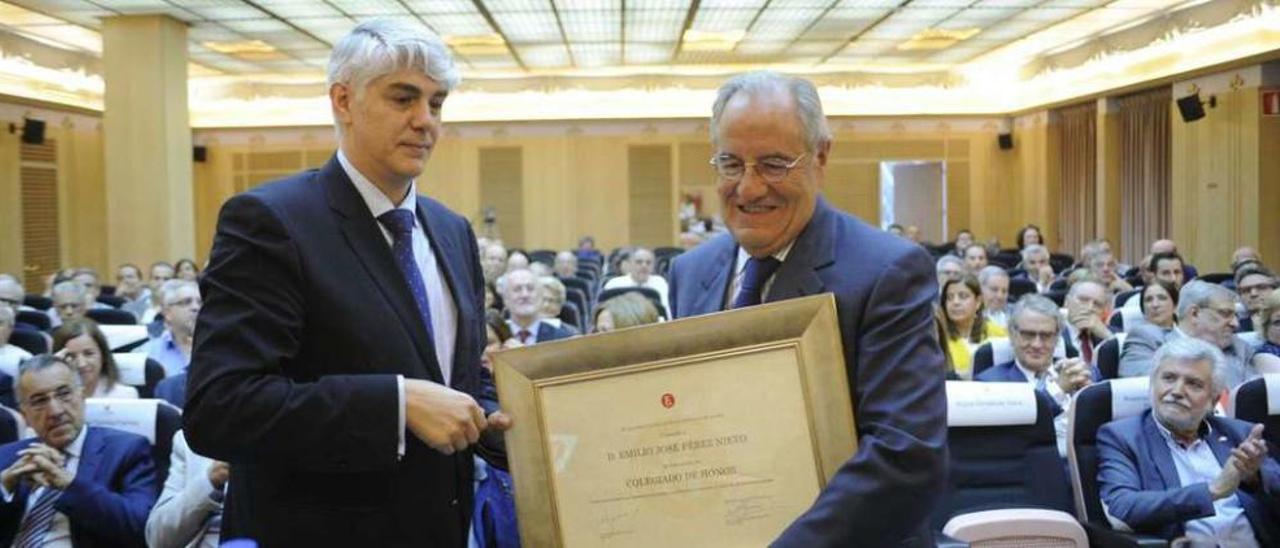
<point>83,345</point>
<point>493,522</point>
<point>1267,323</point>
<point>966,326</point>
<point>625,310</point>
<point>1158,302</point>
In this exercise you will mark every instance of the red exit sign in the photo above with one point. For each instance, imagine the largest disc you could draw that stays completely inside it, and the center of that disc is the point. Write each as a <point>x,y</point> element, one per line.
<point>1271,102</point>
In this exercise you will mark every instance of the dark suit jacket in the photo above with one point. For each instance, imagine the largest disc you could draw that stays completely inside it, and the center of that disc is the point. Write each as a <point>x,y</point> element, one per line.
<point>306,323</point>
<point>1009,372</point>
<point>1139,482</point>
<point>108,501</point>
<point>173,390</point>
<point>885,289</point>
<point>548,332</point>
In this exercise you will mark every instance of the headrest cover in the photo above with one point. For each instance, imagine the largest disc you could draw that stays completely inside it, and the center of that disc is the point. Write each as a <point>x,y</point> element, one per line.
<point>1129,396</point>
<point>120,335</point>
<point>133,368</point>
<point>990,403</point>
<point>1273,393</point>
<point>132,416</point>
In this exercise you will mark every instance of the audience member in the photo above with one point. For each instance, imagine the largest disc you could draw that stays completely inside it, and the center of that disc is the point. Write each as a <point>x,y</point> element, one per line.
<point>131,288</point>
<point>552,302</point>
<point>80,343</point>
<point>88,277</point>
<point>623,311</point>
<point>523,297</point>
<point>1086,328</point>
<point>189,511</point>
<point>1244,254</point>
<point>517,260</point>
<point>975,258</point>
<point>995,294</point>
<point>689,240</point>
<point>71,485</point>
<point>12,293</point>
<point>172,349</point>
<point>949,267</point>
<point>493,261</point>
<point>640,274</point>
<point>1035,267</point>
<point>964,239</point>
<point>160,273</point>
<point>566,265</point>
<point>493,522</point>
<point>1168,267</point>
<point>498,336</point>
<point>1206,312</point>
<point>1103,267</point>
<point>10,355</point>
<point>966,327</point>
<point>186,269</point>
<point>70,302</point>
<point>1253,284</point>
<point>1158,302</point>
<point>1034,327</point>
<point>1179,471</point>
<point>1168,246</point>
<point>912,233</point>
<point>1028,235</point>
<point>587,249</point>
<point>1267,320</point>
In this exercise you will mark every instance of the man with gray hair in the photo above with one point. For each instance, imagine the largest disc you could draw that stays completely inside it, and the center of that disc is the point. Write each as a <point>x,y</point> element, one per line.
<point>336,362</point>
<point>949,267</point>
<point>1177,470</point>
<point>10,357</point>
<point>1206,312</point>
<point>179,305</point>
<point>566,265</point>
<point>1036,267</point>
<point>994,282</point>
<point>640,274</point>
<point>770,145</point>
<point>70,302</point>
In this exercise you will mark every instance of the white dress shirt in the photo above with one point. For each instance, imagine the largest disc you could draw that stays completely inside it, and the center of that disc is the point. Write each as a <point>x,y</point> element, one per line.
<point>1062,398</point>
<point>59,535</point>
<point>1196,463</point>
<point>444,313</point>
<point>533,331</point>
<point>10,355</point>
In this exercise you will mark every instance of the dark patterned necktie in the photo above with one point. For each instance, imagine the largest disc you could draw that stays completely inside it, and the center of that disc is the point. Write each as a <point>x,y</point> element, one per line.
<point>754,276</point>
<point>400,223</point>
<point>38,520</point>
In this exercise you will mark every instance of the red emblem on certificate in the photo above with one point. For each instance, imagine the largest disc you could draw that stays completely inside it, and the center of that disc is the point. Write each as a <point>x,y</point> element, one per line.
<point>668,400</point>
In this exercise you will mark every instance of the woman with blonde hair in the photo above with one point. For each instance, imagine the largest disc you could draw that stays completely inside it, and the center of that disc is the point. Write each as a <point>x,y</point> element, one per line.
<point>626,310</point>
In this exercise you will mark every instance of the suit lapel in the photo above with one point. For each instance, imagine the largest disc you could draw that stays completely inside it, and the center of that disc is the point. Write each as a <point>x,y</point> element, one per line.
<point>716,283</point>
<point>367,242</point>
<point>812,251</point>
<point>1158,451</point>
<point>1219,441</point>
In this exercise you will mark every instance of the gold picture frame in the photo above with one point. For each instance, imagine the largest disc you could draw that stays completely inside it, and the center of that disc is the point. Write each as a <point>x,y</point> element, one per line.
<point>713,430</point>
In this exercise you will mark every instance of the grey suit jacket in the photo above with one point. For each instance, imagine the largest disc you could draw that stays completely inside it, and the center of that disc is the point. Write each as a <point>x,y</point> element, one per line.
<point>1136,358</point>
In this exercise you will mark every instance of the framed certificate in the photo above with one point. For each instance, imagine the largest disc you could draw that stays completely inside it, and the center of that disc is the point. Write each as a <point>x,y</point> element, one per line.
<point>715,430</point>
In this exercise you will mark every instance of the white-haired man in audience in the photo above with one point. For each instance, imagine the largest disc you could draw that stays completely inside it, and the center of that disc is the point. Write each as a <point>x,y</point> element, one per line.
<point>994,282</point>
<point>639,268</point>
<point>1035,325</point>
<point>70,302</point>
<point>1036,267</point>
<point>522,295</point>
<point>566,265</point>
<point>949,267</point>
<point>11,297</point>
<point>10,355</point>
<point>1178,471</point>
<point>493,261</point>
<point>131,287</point>
<point>189,511</point>
<point>180,304</point>
<point>1086,309</point>
<point>1103,266</point>
<point>1206,312</point>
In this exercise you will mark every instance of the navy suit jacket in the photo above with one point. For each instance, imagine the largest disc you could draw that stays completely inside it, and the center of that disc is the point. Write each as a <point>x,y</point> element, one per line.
<point>1139,483</point>
<point>1009,372</point>
<point>173,390</point>
<point>548,332</point>
<point>108,501</point>
<point>885,289</point>
<point>306,323</point>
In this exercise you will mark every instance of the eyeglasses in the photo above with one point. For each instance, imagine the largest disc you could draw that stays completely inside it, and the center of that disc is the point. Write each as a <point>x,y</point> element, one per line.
<point>1042,336</point>
<point>1224,313</point>
<point>40,402</point>
<point>772,170</point>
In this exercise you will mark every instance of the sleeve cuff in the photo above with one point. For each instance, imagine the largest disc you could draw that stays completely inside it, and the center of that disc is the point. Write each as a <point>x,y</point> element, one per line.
<point>401,410</point>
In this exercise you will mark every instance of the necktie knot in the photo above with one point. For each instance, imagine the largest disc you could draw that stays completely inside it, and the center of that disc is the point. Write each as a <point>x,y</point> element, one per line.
<point>398,221</point>
<point>754,275</point>
<point>524,335</point>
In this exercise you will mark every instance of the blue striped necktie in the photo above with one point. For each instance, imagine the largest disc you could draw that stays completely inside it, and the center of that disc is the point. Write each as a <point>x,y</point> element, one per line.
<point>38,520</point>
<point>400,223</point>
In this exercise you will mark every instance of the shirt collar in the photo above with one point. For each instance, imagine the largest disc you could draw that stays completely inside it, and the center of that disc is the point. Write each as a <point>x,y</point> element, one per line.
<point>781,255</point>
<point>378,202</point>
<point>73,449</point>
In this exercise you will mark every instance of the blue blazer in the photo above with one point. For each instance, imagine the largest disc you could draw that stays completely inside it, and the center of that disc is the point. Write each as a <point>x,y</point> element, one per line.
<point>108,501</point>
<point>306,323</point>
<point>1139,482</point>
<point>548,332</point>
<point>1009,372</point>
<point>885,289</point>
<point>173,390</point>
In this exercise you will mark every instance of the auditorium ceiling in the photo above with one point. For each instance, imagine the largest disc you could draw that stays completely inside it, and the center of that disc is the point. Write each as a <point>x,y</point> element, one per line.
<point>279,47</point>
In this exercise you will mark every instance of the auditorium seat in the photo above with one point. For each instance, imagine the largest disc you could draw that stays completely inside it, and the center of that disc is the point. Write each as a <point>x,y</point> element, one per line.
<point>38,302</point>
<point>123,338</point>
<point>31,341</point>
<point>1061,261</point>
<point>1124,296</point>
<point>1006,259</point>
<point>1019,287</point>
<point>139,371</point>
<point>1123,319</point>
<point>153,419</point>
<point>1217,277</point>
<point>111,300</point>
<point>11,425</point>
<point>111,316</point>
<point>1094,406</point>
<point>39,320</point>
<point>1258,401</point>
<point>1006,484</point>
<point>1108,356</point>
<point>569,315</point>
<point>544,256</point>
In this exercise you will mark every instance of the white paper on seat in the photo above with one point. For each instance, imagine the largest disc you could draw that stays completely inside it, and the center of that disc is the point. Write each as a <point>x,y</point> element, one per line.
<point>121,335</point>
<point>133,416</point>
<point>1129,396</point>
<point>1273,393</point>
<point>1252,337</point>
<point>1132,316</point>
<point>133,368</point>
<point>990,403</point>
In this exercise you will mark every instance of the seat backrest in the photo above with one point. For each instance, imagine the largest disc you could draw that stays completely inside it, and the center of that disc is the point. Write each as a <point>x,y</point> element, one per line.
<point>1258,401</point>
<point>1124,296</point>
<point>111,300</point>
<point>10,425</point>
<point>155,420</point>
<point>111,316</point>
<point>1061,261</point>
<point>1019,287</point>
<point>1002,449</point>
<point>1216,277</point>
<point>38,302</point>
<point>570,316</point>
<point>31,341</point>
<point>38,320</point>
<point>1108,356</point>
<point>544,256</point>
<point>1129,317</point>
<point>120,337</point>
<point>139,371</point>
<point>1094,406</point>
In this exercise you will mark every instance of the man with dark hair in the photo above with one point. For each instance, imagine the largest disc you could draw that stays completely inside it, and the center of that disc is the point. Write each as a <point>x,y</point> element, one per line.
<point>71,485</point>
<point>1168,267</point>
<point>1253,282</point>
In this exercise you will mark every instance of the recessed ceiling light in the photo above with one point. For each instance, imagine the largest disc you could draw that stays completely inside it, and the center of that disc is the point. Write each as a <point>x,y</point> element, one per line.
<point>699,40</point>
<point>934,39</point>
<point>484,44</point>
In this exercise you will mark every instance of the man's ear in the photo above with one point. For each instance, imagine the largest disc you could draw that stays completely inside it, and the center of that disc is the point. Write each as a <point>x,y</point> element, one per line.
<point>824,150</point>
<point>341,100</point>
